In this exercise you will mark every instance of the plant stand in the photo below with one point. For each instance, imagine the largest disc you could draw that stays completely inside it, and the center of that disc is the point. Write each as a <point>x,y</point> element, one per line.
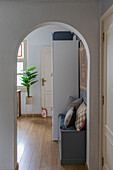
<point>29,105</point>
<point>29,100</point>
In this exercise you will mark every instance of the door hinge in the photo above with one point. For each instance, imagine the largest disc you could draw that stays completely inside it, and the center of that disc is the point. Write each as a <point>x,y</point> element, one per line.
<point>103,100</point>
<point>103,36</point>
<point>102,161</point>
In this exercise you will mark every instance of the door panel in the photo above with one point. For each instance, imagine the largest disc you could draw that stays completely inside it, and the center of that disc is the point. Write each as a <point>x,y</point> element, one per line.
<point>109,115</point>
<point>108,95</point>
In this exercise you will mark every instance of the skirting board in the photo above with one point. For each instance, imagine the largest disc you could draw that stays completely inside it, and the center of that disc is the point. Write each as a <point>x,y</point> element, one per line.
<point>86,167</point>
<point>17,166</point>
<point>31,115</point>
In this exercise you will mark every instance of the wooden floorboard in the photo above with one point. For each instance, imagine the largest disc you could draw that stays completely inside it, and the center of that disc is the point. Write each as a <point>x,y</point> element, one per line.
<point>35,148</point>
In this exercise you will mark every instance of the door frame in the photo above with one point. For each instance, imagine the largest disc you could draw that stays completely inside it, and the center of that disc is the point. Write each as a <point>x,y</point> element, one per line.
<point>103,18</point>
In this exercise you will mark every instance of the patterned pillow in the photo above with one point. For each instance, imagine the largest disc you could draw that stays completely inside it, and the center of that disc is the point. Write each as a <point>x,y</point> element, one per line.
<point>68,117</point>
<point>81,115</point>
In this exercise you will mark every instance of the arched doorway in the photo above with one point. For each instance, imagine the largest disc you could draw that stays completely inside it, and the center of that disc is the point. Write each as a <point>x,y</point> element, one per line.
<point>88,70</point>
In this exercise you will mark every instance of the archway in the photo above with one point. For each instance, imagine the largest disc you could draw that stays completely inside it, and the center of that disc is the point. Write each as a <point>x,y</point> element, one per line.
<point>72,29</point>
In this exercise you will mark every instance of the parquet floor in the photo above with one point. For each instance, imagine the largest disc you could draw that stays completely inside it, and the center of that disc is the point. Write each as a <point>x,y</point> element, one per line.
<point>36,150</point>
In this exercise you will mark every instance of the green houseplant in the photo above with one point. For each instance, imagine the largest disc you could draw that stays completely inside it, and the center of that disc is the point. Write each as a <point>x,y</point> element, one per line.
<point>28,80</point>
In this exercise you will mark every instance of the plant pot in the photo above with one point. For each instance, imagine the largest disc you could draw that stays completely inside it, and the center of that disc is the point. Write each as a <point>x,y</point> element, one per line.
<point>29,100</point>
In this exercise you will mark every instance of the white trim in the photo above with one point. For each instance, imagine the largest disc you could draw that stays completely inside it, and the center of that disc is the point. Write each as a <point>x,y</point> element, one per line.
<point>102,20</point>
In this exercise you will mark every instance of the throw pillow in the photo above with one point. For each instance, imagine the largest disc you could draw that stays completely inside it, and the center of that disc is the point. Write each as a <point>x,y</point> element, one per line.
<point>70,99</point>
<point>73,118</point>
<point>81,115</point>
<point>70,117</point>
<point>76,102</point>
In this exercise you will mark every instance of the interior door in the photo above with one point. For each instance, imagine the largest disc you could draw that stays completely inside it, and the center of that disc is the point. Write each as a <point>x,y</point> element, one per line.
<point>47,79</point>
<point>108,95</point>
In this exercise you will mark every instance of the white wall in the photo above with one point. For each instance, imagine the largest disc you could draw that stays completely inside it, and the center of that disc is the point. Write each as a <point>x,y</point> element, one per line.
<point>18,18</point>
<point>35,40</point>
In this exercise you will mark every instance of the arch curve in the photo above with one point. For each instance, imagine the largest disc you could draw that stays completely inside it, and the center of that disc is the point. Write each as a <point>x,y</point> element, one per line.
<point>72,29</point>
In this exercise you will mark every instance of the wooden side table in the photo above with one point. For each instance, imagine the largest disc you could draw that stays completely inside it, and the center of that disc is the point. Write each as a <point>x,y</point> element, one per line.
<point>19,102</point>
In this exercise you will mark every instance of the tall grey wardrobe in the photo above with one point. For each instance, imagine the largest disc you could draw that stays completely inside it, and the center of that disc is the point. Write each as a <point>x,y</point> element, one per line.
<point>65,77</point>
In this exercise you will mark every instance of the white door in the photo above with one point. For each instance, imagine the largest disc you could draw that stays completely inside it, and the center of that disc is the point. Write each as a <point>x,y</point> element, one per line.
<point>108,94</point>
<point>47,79</point>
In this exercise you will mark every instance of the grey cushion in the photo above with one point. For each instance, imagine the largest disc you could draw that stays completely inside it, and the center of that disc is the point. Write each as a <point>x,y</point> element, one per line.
<point>76,102</point>
<point>73,102</point>
<point>70,99</point>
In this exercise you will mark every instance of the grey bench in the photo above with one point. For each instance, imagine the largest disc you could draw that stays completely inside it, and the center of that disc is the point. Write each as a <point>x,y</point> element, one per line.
<point>72,144</point>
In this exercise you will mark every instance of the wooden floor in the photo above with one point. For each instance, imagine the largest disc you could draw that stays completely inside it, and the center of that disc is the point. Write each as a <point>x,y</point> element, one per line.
<point>36,150</point>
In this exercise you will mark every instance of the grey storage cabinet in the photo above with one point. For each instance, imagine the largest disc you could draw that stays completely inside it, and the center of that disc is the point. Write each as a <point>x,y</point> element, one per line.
<point>72,147</point>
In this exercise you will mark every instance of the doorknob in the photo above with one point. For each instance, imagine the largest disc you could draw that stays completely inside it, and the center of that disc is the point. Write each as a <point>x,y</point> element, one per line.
<point>43,80</point>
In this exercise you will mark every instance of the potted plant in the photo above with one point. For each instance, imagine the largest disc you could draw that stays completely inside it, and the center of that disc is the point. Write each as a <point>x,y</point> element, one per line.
<point>28,80</point>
